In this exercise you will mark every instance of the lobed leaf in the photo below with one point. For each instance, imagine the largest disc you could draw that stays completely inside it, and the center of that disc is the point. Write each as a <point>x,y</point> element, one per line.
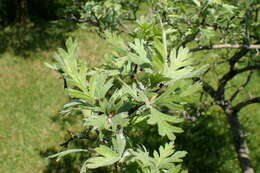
<point>108,156</point>
<point>164,123</point>
<point>64,153</point>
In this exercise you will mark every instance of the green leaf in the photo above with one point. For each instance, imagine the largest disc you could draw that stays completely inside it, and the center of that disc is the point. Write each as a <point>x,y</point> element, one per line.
<point>177,157</point>
<point>209,32</point>
<point>190,89</point>
<point>81,95</point>
<point>106,151</point>
<point>64,153</point>
<point>197,2</point>
<point>116,41</point>
<point>167,95</point>
<point>67,63</point>
<point>177,94</point>
<point>164,123</point>
<point>52,66</point>
<point>175,169</point>
<point>71,46</point>
<point>162,161</point>
<point>160,58</point>
<point>132,91</point>
<point>140,57</point>
<point>97,121</point>
<point>84,167</point>
<point>143,158</point>
<point>107,155</point>
<point>167,155</point>
<point>120,119</point>
<point>158,78</point>
<point>105,88</point>
<point>119,143</point>
<point>92,85</point>
<point>180,66</point>
<point>99,85</point>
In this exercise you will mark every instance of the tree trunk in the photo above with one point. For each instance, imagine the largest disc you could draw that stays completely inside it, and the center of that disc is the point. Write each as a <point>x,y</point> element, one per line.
<point>240,142</point>
<point>19,11</point>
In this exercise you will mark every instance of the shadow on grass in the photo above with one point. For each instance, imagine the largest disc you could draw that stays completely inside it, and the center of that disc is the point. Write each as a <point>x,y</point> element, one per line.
<point>68,164</point>
<point>208,143</point>
<point>72,162</point>
<point>206,140</point>
<point>65,165</point>
<point>27,39</point>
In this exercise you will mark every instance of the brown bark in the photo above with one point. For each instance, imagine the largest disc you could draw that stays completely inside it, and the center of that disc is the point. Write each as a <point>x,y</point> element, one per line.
<point>231,112</point>
<point>221,46</point>
<point>20,10</point>
<point>239,142</point>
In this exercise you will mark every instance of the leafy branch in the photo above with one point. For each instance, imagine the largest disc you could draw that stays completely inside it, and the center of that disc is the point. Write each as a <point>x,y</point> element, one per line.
<point>113,103</point>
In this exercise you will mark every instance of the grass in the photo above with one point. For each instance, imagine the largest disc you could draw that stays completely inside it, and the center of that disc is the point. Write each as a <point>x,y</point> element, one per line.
<point>32,95</point>
<point>29,98</point>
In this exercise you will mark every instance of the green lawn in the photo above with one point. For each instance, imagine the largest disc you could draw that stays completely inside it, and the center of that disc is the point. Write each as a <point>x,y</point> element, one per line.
<point>31,97</point>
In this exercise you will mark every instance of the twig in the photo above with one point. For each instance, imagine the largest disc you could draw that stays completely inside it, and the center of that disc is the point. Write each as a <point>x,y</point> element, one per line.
<point>244,103</point>
<point>241,87</point>
<point>72,138</point>
<point>231,73</point>
<point>252,67</point>
<point>206,87</point>
<point>221,46</point>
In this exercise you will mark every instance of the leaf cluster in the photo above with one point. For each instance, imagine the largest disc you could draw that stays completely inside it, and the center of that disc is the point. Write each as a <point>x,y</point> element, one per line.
<point>138,85</point>
<point>106,15</point>
<point>135,84</point>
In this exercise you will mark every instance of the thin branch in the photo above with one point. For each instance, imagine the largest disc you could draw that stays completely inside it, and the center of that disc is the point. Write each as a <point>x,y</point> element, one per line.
<point>252,67</point>
<point>237,57</point>
<point>185,114</point>
<point>206,87</point>
<point>221,46</point>
<point>244,103</point>
<point>241,87</point>
<point>231,73</point>
<point>86,20</point>
<point>125,28</point>
<point>189,38</point>
<point>74,137</point>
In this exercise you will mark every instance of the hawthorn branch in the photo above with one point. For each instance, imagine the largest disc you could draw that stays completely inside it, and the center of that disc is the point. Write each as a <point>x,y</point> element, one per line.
<point>252,67</point>
<point>72,138</point>
<point>240,143</point>
<point>85,20</point>
<point>244,103</point>
<point>221,46</point>
<point>206,87</point>
<point>186,115</point>
<point>241,87</point>
<point>231,73</point>
<point>188,38</point>
<point>237,56</point>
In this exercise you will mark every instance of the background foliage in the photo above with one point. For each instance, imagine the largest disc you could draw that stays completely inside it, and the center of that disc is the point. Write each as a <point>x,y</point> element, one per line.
<point>34,10</point>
